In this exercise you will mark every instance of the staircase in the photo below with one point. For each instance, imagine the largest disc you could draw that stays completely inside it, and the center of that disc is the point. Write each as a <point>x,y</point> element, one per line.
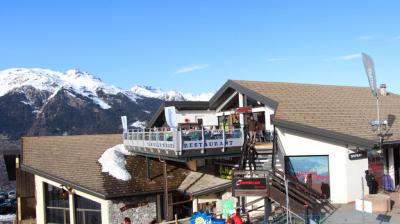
<point>264,158</point>
<point>304,203</point>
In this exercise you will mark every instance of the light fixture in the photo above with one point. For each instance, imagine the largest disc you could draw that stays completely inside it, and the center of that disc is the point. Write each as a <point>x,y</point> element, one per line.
<point>378,125</point>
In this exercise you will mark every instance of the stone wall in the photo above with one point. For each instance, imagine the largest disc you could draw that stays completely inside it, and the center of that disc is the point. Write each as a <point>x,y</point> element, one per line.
<point>138,209</point>
<point>6,147</point>
<point>5,184</point>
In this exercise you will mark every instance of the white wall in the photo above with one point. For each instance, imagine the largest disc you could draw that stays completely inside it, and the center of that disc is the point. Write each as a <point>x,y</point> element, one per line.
<point>209,117</point>
<point>40,201</point>
<point>345,175</point>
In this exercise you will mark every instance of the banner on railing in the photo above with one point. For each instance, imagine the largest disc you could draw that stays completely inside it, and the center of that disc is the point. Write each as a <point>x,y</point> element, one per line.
<point>124,121</point>
<point>170,117</point>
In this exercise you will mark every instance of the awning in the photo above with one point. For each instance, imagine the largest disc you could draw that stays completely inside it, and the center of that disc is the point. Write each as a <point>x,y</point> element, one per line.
<point>196,184</point>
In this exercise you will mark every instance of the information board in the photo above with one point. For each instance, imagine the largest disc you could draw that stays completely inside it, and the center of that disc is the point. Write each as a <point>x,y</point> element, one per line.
<point>250,187</point>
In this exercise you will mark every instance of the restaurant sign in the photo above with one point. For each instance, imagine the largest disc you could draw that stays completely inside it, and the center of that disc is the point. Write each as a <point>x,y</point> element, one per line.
<point>358,155</point>
<point>250,187</point>
<point>243,110</point>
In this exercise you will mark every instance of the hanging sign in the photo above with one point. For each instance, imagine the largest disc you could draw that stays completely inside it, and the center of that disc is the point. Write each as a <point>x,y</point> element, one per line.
<point>243,110</point>
<point>250,187</point>
<point>358,155</point>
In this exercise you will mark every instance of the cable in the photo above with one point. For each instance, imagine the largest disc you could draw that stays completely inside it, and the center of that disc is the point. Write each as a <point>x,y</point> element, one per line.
<point>288,214</point>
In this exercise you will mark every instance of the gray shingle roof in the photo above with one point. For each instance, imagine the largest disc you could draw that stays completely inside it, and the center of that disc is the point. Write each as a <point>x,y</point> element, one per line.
<point>342,110</point>
<point>73,161</point>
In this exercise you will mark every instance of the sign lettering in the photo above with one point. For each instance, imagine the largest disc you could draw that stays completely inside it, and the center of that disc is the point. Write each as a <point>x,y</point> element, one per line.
<point>358,155</point>
<point>250,186</point>
<point>243,110</point>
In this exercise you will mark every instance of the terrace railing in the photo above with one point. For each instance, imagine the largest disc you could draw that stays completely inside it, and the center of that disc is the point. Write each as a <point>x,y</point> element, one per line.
<point>181,140</point>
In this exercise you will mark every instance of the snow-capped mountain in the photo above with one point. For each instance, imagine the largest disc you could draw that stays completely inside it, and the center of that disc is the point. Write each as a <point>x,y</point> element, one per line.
<point>172,95</point>
<point>148,91</point>
<point>84,84</point>
<point>45,102</point>
<point>50,81</point>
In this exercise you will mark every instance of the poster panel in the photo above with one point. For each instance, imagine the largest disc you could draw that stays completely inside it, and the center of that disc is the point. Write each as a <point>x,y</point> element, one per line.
<point>311,170</point>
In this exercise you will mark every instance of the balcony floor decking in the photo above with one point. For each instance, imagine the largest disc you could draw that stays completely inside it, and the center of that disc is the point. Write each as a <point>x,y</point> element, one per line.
<point>182,145</point>
<point>186,155</point>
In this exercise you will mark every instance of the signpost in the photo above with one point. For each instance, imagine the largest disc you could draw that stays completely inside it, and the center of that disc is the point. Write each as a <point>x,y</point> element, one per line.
<point>358,155</point>
<point>243,110</point>
<point>370,71</point>
<point>250,186</point>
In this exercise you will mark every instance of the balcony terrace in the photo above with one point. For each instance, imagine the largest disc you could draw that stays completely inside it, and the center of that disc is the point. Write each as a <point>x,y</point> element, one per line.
<point>183,145</point>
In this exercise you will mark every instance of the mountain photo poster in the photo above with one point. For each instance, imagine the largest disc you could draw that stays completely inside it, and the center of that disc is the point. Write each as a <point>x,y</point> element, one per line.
<point>311,170</point>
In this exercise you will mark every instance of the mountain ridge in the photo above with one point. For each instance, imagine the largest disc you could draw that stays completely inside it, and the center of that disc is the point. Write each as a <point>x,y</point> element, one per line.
<point>37,101</point>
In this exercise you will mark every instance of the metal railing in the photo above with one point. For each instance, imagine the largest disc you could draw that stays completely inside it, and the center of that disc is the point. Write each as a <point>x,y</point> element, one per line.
<point>184,139</point>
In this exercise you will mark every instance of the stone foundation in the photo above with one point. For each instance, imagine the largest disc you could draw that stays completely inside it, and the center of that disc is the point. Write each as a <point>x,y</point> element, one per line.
<point>138,209</point>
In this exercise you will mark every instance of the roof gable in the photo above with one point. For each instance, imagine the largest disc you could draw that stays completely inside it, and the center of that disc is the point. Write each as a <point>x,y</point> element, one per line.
<point>342,110</point>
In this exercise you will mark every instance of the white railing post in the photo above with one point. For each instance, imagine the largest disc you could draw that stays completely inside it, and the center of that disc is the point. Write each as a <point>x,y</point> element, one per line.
<point>223,138</point>
<point>177,139</point>
<point>143,137</point>
<point>180,148</point>
<point>202,138</point>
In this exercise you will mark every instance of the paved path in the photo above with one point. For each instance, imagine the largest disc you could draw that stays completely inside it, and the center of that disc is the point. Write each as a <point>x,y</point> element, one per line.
<point>346,214</point>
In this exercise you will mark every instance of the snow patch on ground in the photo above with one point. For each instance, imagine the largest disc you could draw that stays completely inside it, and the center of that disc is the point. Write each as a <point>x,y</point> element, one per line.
<point>8,217</point>
<point>113,162</point>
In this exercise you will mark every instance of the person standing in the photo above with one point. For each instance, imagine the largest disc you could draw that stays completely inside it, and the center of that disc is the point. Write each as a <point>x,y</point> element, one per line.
<point>371,183</point>
<point>236,218</point>
<point>252,157</point>
<point>252,128</point>
<point>236,123</point>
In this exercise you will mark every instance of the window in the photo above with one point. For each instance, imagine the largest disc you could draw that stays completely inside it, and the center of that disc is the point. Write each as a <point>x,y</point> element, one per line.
<point>57,205</point>
<point>200,121</point>
<point>87,211</point>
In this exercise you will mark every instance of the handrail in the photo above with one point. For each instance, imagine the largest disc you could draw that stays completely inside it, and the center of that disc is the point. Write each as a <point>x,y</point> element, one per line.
<point>302,194</point>
<point>301,185</point>
<point>181,139</point>
<point>298,196</point>
<point>314,197</point>
<point>317,195</point>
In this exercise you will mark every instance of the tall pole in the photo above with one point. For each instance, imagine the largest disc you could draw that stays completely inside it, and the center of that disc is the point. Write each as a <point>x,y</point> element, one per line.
<point>379,121</point>
<point>165,188</point>
<point>362,200</point>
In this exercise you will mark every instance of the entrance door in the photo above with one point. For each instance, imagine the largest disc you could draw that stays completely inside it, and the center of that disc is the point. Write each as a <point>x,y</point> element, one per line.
<point>396,159</point>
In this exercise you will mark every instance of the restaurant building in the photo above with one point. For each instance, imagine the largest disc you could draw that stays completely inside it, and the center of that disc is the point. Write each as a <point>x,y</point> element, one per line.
<point>321,132</point>
<point>71,187</point>
<point>317,129</point>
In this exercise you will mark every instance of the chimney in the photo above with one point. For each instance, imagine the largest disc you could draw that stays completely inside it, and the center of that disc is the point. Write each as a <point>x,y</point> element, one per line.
<point>382,90</point>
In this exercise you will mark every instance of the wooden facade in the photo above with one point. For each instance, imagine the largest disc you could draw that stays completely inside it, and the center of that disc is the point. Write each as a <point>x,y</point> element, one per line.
<point>25,194</point>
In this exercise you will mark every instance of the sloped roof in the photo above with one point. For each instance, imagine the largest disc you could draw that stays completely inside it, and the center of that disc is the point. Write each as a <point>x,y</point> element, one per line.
<point>342,112</point>
<point>73,161</point>
<point>179,105</point>
<point>197,183</point>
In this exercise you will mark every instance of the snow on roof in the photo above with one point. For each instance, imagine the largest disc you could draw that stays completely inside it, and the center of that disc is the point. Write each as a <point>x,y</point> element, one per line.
<point>139,124</point>
<point>113,162</point>
<point>7,218</point>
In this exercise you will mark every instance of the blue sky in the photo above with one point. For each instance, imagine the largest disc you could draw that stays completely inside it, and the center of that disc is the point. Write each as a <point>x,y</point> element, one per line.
<point>195,46</point>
